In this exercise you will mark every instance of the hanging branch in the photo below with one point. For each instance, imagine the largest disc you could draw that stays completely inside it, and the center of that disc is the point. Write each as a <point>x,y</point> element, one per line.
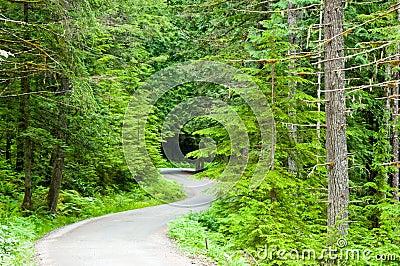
<point>272,61</point>
<point>58,102</point>
<point>25,24</point>
<point>314,54</point>
<point>396,164</point>
<point>27,1</point>
<point>357,54</point>
<point>318,165</point>
<point>303,125</point>
<point>379,62</point>
<point>35,92</point>
<point>261,3</point>
<point>368,3</point>
<point>277,11</point>
<point>356,88</point>
<point>393,97</point>
<point>391,9</point>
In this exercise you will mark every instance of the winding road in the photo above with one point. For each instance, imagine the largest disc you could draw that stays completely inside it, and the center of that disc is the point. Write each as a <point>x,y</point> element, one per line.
<point>136,237</point>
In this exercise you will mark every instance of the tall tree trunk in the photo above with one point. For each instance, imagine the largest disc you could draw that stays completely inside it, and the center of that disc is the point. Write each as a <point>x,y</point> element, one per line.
<point>10,133</point>
<point>27,202</point>
<point>336,144</point>
<point>25,85</point>
<point>319,77</point>
<point>292,21</point>
<point>59,157</point>
<point>395,180</point>
<point>8,147</point>
<point>21,128</point>
<point>56,178</point>
<point>395,141</point>
<point>273,146</point>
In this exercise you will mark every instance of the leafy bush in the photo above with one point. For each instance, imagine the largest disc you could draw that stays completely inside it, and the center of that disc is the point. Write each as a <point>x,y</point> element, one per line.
<point>16,236</point>
<point>196,239</point>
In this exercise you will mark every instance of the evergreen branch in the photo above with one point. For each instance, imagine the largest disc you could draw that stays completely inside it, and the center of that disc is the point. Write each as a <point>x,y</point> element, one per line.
<point>390,83</point>
<point>304,125</point>
<point>35,92</point>
<point>273,61</point>
<point>392,9</point>
<point>277,11</point>
<point>393,97</point>
<point>27,1</point>
<point>58,102</point>
<point>396,164</point>
<point>380,61</point>
<point>356,54</point>
<point>318,165</point>
<point>37,47</point>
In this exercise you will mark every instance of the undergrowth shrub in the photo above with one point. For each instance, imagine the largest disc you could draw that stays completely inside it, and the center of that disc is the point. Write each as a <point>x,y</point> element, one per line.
<point>195,238</point>
<point>16,236</point>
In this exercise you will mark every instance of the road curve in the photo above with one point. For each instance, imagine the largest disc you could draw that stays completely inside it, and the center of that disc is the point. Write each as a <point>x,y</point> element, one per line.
<point>134,237</point>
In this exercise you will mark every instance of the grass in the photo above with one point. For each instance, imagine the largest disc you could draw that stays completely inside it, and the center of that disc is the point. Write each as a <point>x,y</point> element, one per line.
<point>195,235</point>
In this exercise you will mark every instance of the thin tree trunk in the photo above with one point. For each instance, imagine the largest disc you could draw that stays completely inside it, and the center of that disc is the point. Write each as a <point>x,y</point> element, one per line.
<point>21,128</point>
<point>59,157</point>
<point>25,85</point>
<point>8,147</point>
<point>319,78</point>
<point>273,124</point>
<point>388,108</point>
<point>292,91</point>
<point>27,162</point>
<point>9,133</point>
<point>395,141</point>
<point>336,143</point>
<point>27,202</point>
<point>395,180</point>
<point>56,178</point>
<point>57,173</point>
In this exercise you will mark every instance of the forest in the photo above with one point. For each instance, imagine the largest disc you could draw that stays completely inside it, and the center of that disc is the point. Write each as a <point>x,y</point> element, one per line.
<point>328,70</point>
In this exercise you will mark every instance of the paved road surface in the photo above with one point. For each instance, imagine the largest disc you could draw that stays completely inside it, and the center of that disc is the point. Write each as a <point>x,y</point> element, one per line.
<point>134,237</point>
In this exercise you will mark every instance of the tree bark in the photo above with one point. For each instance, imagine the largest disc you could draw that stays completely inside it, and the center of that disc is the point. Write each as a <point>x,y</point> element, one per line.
<point>27,159</point>
<point>56,178</point>
<point>8,147</point>
<point>59,157</point>
<point>336,143</point>
<point>21,128</point>
<point>273,146</point>
<point>57,173</point>
<point>292,21</point>
<point>395,143</point>
<point>27,202</point>
<point>25,108</point>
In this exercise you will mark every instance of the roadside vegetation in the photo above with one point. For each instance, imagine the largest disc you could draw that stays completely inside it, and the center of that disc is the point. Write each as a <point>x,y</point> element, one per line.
<point>20,229</point>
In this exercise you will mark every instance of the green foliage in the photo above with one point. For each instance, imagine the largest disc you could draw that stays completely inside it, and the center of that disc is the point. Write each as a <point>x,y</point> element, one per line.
<point>288,210</point>
<point>196,239</point>
<point>101,52</point>
<point>16,236</point>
